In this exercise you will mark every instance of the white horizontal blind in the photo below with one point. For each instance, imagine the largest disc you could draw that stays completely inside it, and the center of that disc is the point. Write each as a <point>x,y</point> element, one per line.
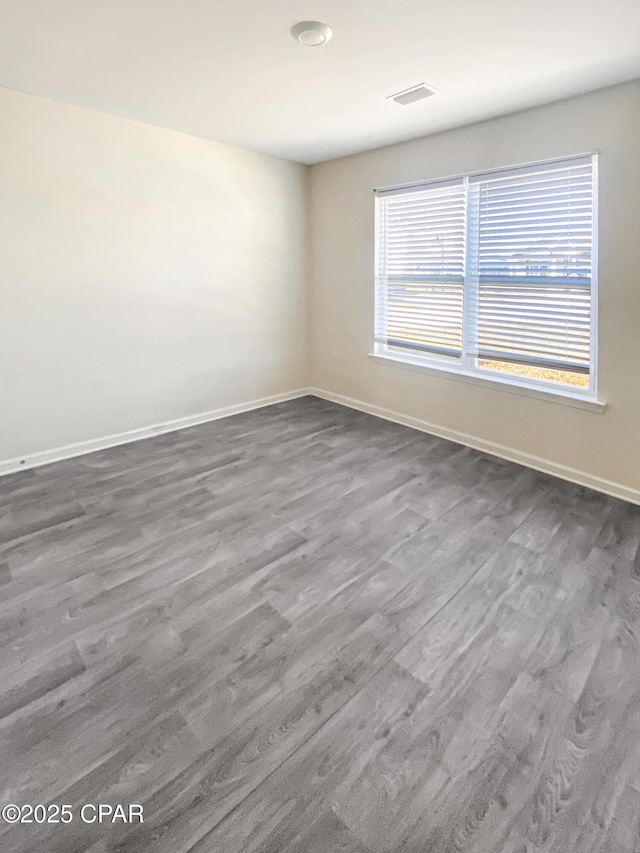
<point>494,267</point>
<point>533,265</point>
<point>420,252</point>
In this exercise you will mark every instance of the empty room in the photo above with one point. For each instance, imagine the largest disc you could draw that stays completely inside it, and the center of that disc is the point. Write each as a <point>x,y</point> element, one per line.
<point>319,426</point>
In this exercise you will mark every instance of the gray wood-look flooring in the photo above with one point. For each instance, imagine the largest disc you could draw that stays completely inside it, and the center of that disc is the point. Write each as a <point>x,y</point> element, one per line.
<point>303,629</point>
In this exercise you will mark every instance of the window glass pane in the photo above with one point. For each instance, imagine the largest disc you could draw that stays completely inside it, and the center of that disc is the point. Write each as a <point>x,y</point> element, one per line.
<point>533,271</point>
<point>564,377</point>
<point>420,271</point>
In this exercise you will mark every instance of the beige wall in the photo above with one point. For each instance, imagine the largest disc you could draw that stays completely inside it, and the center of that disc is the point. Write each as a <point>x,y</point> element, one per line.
<point>145,275</point>
<point>341,310</point>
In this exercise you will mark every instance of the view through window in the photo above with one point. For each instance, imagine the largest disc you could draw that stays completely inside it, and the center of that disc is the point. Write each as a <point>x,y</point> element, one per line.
<point>492,274</point>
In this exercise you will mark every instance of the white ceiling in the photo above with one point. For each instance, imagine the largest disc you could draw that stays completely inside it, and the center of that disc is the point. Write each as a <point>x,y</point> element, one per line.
<point>229,70</point>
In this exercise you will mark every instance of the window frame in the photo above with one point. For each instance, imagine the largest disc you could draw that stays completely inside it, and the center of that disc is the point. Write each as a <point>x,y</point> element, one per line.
<point>468,368</point>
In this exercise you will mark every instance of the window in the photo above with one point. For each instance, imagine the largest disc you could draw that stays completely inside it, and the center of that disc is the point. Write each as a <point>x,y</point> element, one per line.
<point>492,275</point>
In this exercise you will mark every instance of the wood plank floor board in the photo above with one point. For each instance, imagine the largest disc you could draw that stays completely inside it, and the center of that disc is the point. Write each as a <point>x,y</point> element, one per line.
<point>303,629</point>
<point>499,769</point>
<point>16,524</point>
<point>382,703</point>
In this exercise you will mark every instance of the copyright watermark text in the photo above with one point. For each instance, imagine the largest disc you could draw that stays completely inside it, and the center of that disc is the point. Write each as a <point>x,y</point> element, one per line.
<point>102,813</point>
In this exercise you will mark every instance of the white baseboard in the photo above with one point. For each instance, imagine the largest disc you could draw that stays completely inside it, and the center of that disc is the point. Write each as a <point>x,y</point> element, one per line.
<point>573,475</point>
<point>564,472</point>
<point>34,460</point>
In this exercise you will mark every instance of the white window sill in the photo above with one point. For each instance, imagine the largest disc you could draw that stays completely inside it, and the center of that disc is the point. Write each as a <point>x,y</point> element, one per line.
<point>511,385</point>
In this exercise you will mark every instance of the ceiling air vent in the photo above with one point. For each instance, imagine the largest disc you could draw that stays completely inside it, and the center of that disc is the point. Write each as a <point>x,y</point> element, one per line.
<point>415,93</point>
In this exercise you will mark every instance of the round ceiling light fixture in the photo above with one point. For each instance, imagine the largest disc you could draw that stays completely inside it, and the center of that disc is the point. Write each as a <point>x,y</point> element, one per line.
<point>311,33</point>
